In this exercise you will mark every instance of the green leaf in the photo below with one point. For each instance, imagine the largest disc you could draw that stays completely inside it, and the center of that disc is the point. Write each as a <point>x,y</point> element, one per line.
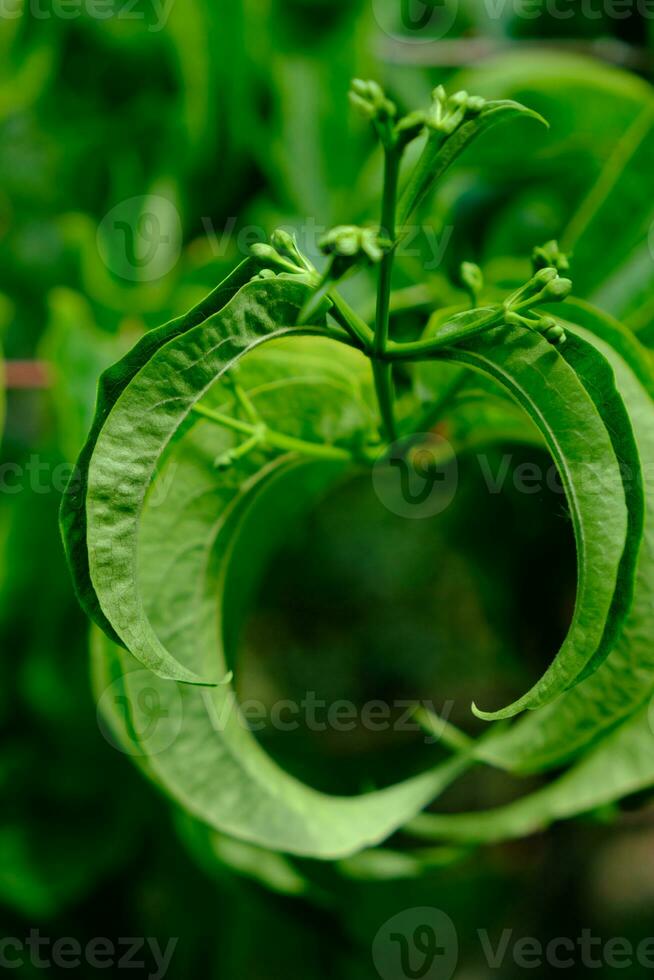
<point>204,541</point>
<point>626,679</point>
<point>473,411</point>
<point>112,384</point>
<point>551,393</point>
<point>439,155</point>
<point>202,751</point>
<point>622,763</point>
<point>598,375</point>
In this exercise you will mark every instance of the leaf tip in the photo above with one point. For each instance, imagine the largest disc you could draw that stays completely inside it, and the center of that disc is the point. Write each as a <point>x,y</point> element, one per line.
<point>500,715</point>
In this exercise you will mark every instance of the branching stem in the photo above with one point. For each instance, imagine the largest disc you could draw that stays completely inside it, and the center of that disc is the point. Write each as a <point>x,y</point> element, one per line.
<point>276,440</point>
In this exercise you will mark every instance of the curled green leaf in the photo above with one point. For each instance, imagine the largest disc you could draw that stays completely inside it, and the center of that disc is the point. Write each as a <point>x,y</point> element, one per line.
<point>557,401</point>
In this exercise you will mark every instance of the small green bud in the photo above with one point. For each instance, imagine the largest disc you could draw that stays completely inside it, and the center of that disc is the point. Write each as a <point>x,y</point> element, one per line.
<point>286,245</point>
<point>555,335</point>
<point>544,275</point>
<point>472,278</point>
<point>547,326</point>
<point>260,250</point>
<point>476,104</point>
<point>557,290</point>
<point>550,255</point>
<point>544,287</point>
<point>271,255</point>
<point>283,241</point>
<point>370,99</point>
<point>354,243</point>
<point>447,114</point>
<point>224,461</point>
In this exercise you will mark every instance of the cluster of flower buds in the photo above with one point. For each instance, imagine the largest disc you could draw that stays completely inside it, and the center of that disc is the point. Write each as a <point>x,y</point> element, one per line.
<point>550,256</point>
<point>350,245</point>
<point>354,241</point>
<point>370,99</point>
<point>281,256</point>
<point>394,134</point>
<point>444,116</point>
<point>546,286</point>
<point>447,113</point>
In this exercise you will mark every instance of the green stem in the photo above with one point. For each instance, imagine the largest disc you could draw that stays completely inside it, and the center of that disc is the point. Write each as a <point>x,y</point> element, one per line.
<point>245,403</point>
<point>277,440</point>
<point>357,328</point>
<point>383,372</point>
<point>389,206</point>
<point>451,333</point>
<point>443,731</point>
<point>418,349</point>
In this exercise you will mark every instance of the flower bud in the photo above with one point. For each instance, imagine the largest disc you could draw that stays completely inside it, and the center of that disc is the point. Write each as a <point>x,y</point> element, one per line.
<point>557,290</point>
<point>550,255</point>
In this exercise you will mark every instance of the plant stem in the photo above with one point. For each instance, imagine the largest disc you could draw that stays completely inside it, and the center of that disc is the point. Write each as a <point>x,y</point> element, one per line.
<point>418,349</point>
<point>443,730</point>
<point>277,440</point>
<point>357,328</point>
<point>383,372</point>
<point>389,206</point>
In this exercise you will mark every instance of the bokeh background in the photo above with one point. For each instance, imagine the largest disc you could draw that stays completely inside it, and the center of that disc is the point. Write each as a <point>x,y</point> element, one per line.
<point>143,146</point>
